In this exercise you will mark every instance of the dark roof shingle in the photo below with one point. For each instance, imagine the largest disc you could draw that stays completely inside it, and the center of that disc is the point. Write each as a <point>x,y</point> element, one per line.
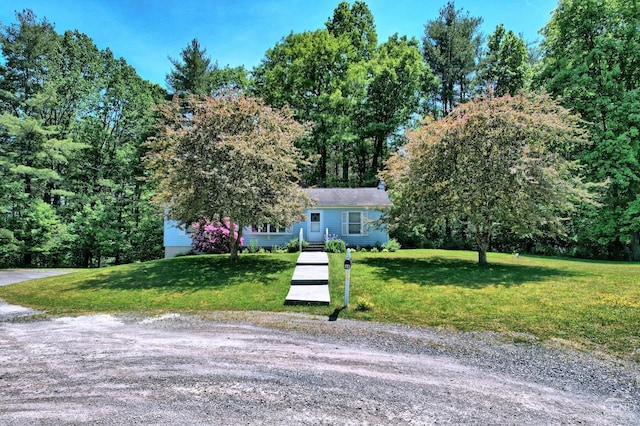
<point>349,197</point>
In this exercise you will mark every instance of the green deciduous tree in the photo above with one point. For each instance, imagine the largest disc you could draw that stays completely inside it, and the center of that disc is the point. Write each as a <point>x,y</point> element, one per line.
<point>311,73</point>
<point>592,51</point>
<point>394,93</point>
<point>503,68</point>
<point>357,94</point>
<point>357,24</point>
<point>496,165</point>
<point>451,47</point>
<point>110,183</point>
<point>232,160</point>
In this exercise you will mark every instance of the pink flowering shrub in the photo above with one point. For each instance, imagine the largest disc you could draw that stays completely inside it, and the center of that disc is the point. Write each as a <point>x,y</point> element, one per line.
<point>212,236</point>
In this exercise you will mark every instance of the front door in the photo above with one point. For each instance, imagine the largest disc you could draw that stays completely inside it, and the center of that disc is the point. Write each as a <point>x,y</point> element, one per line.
<point>315,227</point>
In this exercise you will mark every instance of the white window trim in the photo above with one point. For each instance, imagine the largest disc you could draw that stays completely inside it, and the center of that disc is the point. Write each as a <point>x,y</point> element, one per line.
<point>279,231</point>
<point>364,231</point>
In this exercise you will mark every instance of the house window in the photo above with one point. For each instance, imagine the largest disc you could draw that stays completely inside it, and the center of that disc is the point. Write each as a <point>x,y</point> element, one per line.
<point>267,228</point>
<point>353,223</point>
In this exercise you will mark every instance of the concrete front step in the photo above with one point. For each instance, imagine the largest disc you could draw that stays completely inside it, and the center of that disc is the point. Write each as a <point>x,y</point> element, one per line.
<point>308,295</point>
<point>313,258</point>
<point>310,275</point>
<point>314,247</point>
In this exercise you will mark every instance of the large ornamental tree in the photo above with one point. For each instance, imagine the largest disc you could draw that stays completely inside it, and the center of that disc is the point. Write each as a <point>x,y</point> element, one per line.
<point>496,165</point>
<point>232,159</point>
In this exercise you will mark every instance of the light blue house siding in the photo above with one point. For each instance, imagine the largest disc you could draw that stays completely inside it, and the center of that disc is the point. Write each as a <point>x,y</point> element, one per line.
<point>176,239</point>
<point>349,214</point>
<point>330,224</point>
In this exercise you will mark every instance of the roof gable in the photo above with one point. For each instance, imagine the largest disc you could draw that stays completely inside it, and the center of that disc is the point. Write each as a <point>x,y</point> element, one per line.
<point>349,197</point>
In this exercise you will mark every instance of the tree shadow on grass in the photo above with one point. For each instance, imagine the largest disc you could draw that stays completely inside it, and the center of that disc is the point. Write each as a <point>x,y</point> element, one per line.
<point>434,271</point>
<point>190,274</point>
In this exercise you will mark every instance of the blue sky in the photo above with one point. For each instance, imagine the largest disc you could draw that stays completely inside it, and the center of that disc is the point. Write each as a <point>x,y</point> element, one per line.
<point>239,32</point>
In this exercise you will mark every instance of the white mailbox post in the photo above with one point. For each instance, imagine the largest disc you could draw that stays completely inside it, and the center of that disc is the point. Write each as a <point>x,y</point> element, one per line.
<point>347,274</point>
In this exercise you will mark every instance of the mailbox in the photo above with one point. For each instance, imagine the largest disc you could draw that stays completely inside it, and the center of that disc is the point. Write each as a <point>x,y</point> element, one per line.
<point>347,264</point>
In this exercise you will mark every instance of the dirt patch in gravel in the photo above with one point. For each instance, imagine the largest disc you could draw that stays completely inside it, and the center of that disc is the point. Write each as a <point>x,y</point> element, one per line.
<point>265,368</point>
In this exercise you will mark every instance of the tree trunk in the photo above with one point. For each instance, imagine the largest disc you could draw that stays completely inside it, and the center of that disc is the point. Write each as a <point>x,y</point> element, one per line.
<point>27,258</point>
<point>86,258</point>
<point>234,242</point>
<point>635,246</point>
<point>482,240</point>
<point>448,232</point>
<point>377,153</point>
<point>322,168</point>
<point>345,169</point>
<point>120,226</point>
<point>234,253</point>
<point>361,164</point>
<point>482,255</point>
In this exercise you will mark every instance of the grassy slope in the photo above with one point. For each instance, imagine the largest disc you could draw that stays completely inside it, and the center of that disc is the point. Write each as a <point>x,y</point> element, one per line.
<point>592,304</point>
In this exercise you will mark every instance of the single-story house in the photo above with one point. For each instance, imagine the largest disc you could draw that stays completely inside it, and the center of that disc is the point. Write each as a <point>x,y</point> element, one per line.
<point>345,213</point>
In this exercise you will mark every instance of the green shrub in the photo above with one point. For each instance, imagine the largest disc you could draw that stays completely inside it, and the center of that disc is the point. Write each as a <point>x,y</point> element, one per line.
<point>293,246</point>
<point>335,246</point>
<point>278,249</point>
<point>391,245</point>
<point>253,246</point>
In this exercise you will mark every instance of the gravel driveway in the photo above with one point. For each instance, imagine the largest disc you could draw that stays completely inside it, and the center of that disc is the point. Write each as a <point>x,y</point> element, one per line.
<point>261,368</point>
<point>10,276</point>
<point>267,368</point>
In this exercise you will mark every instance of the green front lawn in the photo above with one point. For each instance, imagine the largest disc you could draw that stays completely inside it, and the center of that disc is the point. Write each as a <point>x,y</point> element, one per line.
<point>592,305</point>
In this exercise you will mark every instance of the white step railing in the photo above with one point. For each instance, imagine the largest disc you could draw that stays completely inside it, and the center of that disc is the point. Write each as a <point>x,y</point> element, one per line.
<point>300,239</point>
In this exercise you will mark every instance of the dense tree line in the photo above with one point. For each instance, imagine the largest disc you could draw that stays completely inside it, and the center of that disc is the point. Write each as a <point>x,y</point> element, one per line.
<point>358,93</point>
<point>74,121</point>
<point>592,61</point>
<point>71,130</point>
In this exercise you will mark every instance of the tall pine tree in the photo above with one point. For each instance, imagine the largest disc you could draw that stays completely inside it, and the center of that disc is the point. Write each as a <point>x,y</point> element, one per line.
<point>451,47</point>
